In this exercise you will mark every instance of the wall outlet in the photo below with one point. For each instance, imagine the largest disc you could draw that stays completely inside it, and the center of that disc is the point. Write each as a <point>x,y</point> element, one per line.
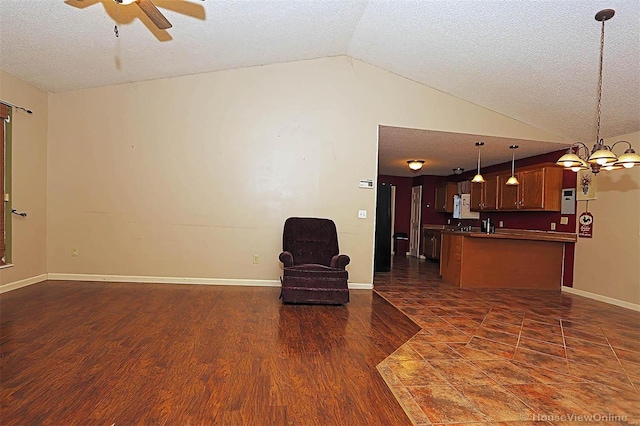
<point>564,220</point>
<point>553,226</point>
<point>501,224</point>
<point>362,214</point>
<point>74,252</point>
<point>448,221</point>
<point>256,259</point>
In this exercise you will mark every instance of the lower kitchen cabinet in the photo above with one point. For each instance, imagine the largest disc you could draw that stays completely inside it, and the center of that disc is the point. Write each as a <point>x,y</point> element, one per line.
<point>431,240</point>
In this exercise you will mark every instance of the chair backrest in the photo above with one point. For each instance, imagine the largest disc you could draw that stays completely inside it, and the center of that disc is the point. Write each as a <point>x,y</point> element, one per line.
<point>310,240</point>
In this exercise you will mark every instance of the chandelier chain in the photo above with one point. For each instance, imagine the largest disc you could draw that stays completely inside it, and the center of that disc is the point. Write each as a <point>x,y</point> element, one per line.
<point>600,84</point>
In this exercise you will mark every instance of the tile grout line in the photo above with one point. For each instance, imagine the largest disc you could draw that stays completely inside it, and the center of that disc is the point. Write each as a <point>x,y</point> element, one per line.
<point>519,334</point>
<point>618,359</point>
<point>564,345</point>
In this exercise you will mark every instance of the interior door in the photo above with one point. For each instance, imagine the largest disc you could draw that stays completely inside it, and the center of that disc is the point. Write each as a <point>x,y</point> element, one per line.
<point>416,216</point>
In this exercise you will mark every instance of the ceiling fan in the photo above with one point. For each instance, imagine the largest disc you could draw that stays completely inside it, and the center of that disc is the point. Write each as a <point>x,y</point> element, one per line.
<point>151,11</point>
<point>148,8</point>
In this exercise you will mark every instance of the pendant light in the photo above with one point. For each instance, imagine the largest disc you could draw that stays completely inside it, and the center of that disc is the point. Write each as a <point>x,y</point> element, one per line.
<point>601,156</point>
<point>513,180</point>
<point>478,177</point>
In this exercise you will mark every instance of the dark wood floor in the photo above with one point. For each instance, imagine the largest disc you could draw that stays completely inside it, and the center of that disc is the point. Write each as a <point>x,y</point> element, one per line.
<point>125,354</point>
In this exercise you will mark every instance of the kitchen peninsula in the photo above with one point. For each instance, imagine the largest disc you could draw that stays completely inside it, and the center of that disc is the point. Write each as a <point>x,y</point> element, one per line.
<point>505,259</point>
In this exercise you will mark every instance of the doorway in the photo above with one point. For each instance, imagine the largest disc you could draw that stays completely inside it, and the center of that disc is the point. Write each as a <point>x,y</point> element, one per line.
<point>416,219</point>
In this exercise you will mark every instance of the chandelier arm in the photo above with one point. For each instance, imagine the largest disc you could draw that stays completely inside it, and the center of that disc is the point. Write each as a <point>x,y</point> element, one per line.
<point>613,146</point>
<point>579,147</point>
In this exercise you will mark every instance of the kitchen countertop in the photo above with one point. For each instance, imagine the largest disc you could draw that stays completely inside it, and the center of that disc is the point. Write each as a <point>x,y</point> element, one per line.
<point>516,234</point>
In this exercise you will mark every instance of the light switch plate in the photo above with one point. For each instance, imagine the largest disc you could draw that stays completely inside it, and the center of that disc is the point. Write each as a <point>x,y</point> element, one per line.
<point>362,214</point>
<point>564,220</point>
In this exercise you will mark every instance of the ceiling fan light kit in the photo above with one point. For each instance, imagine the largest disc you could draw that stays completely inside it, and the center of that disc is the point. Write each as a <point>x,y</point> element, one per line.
<point>151,11</point>
<point>578,157</point>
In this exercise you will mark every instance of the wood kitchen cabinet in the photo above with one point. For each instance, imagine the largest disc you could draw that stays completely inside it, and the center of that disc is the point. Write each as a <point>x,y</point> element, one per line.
<point>508,259</point>
<point>540,189</point>
<point>444,196</point>
<point>484,196</point>
<point>431,243</point>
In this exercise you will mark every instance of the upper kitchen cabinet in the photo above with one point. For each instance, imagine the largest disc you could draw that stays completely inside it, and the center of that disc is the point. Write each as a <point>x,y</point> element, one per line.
<point>484,196</point>
<point>444,196</point>
<point>540,188</point>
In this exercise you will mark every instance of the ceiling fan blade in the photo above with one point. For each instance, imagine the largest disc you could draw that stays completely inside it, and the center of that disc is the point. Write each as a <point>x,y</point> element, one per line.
<point>154,14</point>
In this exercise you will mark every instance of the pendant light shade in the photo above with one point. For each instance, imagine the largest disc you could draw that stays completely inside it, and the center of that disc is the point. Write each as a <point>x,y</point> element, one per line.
<point>513,180</point>
<point>478,177</point>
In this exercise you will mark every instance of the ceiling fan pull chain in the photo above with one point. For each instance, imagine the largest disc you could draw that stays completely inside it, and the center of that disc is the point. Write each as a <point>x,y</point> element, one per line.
<point>115,27</point>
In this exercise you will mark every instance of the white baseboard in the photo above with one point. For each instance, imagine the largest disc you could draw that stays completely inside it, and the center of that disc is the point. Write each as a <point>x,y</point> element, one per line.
<point>180,280</point>
<point>602,298</point>
<point>22,283</point>
<point>163,280</point>
<point>359,286</point>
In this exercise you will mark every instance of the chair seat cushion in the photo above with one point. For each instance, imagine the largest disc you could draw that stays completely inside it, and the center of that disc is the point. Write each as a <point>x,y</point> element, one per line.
<point>312,283</point>
<point>316,270</point>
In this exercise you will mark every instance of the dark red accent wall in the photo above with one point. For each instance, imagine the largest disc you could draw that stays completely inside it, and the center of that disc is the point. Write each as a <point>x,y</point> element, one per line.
<point>512,220</point>
<point>429,183</point>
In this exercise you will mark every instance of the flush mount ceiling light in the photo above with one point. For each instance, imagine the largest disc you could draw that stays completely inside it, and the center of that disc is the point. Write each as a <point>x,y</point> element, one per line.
<point>513,180</point>
<point>478,177</point>
<point>601,156</point>
<point>415,165</point>
<point>458,170</point>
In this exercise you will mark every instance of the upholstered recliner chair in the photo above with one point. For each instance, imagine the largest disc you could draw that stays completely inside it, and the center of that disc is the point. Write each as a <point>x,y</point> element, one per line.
<point>314,271</point>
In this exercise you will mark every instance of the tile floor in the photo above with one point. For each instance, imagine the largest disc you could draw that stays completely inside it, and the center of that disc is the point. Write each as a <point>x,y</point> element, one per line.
<point>522,356</point>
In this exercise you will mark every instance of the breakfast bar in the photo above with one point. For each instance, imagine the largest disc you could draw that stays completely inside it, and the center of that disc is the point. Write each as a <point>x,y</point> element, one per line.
<point>505,259</point>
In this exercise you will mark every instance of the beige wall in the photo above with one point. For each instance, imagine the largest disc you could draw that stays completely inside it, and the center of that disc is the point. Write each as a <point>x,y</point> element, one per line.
<point>608,264</point>
<point>29,186</point>
<point>192,176</point>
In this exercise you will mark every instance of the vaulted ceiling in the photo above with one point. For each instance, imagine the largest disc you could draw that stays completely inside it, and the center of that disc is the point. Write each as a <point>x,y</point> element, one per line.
<point>535,61</point>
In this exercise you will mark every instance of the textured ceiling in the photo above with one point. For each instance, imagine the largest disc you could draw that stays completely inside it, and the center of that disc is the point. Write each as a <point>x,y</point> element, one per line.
<point>535,61</point>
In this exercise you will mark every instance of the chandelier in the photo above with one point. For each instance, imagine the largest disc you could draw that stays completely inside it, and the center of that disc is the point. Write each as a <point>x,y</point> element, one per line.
<point>578,157</point>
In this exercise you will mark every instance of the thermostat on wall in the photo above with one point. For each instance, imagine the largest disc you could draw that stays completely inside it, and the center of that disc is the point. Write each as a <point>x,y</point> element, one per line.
<point>568,205</point>
<point>366,183</point>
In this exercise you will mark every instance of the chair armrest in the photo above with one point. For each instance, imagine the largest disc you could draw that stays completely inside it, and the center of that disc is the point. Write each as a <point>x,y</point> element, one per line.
<point>340,261</point>
<point>286,258</point>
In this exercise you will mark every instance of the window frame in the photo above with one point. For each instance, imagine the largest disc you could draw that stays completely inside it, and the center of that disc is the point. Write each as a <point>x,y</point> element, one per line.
<point>5,183</point>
